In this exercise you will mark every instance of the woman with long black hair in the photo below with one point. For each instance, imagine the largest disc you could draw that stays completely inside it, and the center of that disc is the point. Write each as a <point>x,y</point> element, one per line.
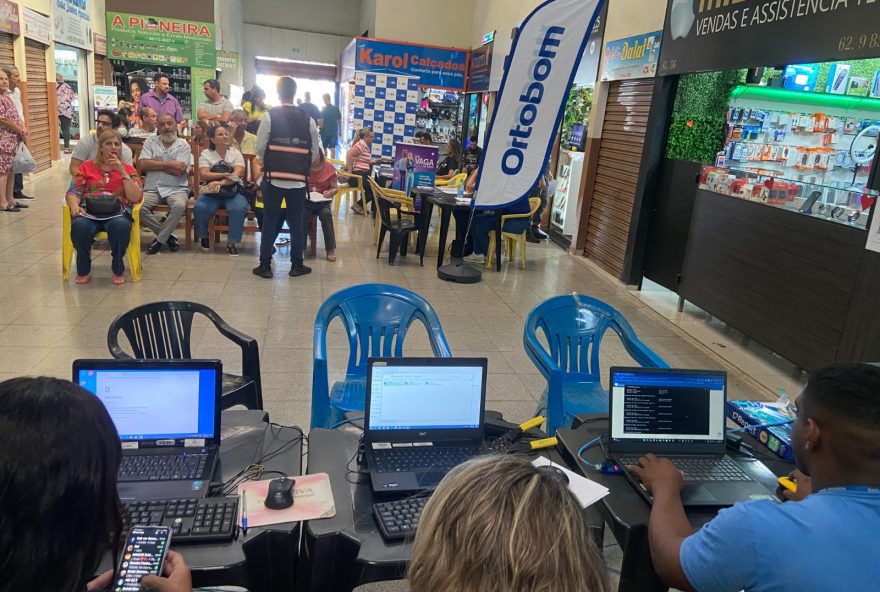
<point>59,509</point>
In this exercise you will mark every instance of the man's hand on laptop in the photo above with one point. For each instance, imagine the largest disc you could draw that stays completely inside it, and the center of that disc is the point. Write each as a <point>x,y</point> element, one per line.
<point>658,475</point>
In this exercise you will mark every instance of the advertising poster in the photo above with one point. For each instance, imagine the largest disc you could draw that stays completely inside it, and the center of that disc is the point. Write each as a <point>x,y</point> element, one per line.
<point>435,67</point>
<point>105,98</point>
<point>71,24</point>
<point>702,36</point>
<point>633,57</point>
<point>100,44</point>
<point>198,76</point>
<point>228,60</point>
<point>37,26</point>
<point>415,165</point>
<point>481,68</point>
<point>9,18</point>
<point>159,40</point>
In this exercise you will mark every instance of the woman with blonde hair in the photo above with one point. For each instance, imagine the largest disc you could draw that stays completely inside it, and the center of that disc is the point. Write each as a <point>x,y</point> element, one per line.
<point>499,524</point>
<point>359,160</point>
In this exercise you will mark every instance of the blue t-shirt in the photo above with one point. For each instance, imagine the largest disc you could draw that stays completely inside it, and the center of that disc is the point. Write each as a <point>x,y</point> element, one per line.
<point>829,542</point>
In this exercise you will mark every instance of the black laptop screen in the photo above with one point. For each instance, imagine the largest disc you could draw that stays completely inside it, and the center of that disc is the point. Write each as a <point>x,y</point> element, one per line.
<point>410,397</point>
<point>156,403</point>
<point>667,407</point>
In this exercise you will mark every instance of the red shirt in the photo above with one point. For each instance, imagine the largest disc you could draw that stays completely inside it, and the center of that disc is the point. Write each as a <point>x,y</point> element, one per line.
<point>324,179</point>
<point>91,179</point>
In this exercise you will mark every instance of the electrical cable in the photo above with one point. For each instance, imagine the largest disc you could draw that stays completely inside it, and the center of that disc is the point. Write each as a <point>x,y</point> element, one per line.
<point>589,444</point>
<point>350,420</point>
<point>256,469</point>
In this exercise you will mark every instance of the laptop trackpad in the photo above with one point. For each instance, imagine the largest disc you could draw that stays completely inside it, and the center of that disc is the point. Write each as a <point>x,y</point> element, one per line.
<point>697,494</point>
<point>429,478</point>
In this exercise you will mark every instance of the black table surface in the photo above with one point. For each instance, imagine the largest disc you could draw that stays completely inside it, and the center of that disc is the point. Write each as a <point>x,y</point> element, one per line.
<point>245,437</point>
<point>347,550</point>
<point>626,512</point>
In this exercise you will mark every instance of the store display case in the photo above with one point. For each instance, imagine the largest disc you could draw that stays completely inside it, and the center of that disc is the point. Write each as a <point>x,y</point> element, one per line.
<point>848,205</point>
<point>179,81</point>
<point>442,114</point>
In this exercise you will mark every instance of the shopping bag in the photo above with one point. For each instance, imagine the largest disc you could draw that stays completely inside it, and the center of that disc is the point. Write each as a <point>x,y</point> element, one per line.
<point>24,162</point>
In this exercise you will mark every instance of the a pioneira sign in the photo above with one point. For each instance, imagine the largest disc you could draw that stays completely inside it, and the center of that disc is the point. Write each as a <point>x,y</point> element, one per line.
<point>542,63</point>
<point>702,35</point>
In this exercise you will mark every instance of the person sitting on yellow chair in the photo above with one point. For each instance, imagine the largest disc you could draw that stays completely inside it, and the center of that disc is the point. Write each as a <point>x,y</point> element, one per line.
<point>101,193</point>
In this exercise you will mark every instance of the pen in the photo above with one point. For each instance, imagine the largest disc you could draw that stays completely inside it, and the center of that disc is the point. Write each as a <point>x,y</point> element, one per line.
<point>244,513</point>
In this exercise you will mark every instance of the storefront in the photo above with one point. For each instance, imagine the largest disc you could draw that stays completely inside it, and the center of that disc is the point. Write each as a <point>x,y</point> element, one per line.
<point>399,89</point>
<point>37,32</point>
<point>141,47</point>
<point>478,93</point>
<point>568,162</point>
<point>72,33</point>
<point>772,237</point>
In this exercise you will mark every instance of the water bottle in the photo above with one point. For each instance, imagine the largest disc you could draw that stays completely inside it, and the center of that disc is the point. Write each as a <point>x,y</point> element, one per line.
<point>461,191</point>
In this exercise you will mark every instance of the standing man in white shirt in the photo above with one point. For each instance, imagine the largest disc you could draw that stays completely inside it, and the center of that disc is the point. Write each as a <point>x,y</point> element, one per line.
<point>14,93</point>
<point>287,145</point>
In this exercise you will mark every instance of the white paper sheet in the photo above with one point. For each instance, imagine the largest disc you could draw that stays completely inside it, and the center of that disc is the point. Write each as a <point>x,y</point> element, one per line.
<point>585,491</point>
<point>318,197</point>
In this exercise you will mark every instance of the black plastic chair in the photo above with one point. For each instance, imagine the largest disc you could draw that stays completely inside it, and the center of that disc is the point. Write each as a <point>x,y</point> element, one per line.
<point>398,227</point>
<point>161,331</point>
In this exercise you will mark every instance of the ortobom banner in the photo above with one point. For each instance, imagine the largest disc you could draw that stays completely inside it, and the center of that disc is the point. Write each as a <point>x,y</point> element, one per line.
<point>435,67</point>
<point>159,40</point>
<point>530,104</point>
<point>704,35</point>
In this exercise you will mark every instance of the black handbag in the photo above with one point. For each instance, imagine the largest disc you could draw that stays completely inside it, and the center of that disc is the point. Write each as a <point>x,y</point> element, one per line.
<point>226,191</point>
<point>102,205</point>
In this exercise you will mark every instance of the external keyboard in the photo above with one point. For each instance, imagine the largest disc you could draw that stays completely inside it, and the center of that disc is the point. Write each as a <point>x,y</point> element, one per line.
<point>162,467</point>
<point>701,469</point>
<point>400,518</point>
<point>412,458</point>
<point>211,519</point>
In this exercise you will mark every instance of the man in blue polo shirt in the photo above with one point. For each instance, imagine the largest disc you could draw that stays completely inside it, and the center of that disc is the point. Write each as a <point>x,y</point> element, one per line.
<point>825,539</point>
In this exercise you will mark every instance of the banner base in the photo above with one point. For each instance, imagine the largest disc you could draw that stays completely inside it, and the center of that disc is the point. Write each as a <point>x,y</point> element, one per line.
<point>460,272</point>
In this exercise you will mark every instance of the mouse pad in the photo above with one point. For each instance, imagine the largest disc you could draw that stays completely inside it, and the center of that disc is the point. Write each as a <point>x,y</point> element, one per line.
<point>312,499</point>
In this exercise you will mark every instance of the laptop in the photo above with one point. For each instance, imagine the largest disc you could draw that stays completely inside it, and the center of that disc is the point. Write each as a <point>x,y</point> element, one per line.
<point>167,414</point>
<point>424,416</point>
<point>678,414</point>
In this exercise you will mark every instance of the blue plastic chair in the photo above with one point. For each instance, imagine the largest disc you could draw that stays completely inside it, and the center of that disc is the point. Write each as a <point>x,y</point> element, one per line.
<point>376,317</point>
<point>573,326</point>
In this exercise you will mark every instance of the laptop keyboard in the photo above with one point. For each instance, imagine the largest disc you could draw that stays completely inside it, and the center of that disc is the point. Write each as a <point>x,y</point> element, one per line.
<point>400,518</point>
<point>701,469</point>
<point>407,459</point>
<point>162,467</point>
<point>191,520</point>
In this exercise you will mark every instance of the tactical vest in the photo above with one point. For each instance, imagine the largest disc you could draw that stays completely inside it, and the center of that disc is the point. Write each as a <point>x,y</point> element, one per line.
<point>289,153</point>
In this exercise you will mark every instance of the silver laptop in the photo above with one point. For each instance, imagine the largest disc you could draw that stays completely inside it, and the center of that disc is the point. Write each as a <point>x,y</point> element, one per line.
<point>424,417</point>
<point>167,415</point>
<point>678,414</point>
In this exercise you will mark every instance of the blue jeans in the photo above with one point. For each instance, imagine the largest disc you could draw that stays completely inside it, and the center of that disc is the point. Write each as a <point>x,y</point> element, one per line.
<point>484,223</point>
<point>82,235</point>
<point>295,200</point>
<point>205,207</point>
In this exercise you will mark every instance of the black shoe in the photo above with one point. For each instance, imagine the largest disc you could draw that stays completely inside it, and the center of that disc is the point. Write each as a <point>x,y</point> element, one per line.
<point>22,206</point>
<point>539,234</point>
<point>531,238</point>
<point>206,246</point>
<point>173,244</point>
<point>230,248</point>
<point>298,270</point>
<point>264,271</point>
<point>154,247</point>
<point>21,196</point>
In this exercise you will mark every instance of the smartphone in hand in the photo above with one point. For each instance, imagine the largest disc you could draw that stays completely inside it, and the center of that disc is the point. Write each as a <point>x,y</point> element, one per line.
<point>142,554</point>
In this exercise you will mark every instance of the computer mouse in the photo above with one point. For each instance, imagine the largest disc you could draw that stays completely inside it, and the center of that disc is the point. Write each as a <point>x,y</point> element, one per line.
<point>554,472</point>
<point>280,494</point>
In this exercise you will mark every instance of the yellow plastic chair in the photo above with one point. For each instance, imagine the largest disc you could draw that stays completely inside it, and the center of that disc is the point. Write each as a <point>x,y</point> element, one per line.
<point>511,240</point>
<point>356,192</point>
<point>453,182</point>
<point>133,252</point>
<point>339,164</point>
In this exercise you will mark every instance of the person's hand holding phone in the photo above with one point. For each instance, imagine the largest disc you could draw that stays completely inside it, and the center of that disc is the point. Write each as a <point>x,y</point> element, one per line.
<point>176,576</point>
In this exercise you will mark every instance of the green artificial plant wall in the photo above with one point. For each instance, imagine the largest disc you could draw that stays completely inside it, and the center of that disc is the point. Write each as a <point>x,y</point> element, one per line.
<point>696,130</point>
<point>577,110</point>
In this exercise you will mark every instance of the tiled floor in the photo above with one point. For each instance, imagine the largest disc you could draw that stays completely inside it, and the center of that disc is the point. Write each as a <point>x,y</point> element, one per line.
<point>45,324</point>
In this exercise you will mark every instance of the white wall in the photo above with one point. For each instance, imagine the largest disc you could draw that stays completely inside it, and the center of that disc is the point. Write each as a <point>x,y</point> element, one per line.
<point>287,44</point>
<point>447,23</point>
<point>227,17</point>
<point>500,16</point>
<point>333,17</point>
<point>368,17</point>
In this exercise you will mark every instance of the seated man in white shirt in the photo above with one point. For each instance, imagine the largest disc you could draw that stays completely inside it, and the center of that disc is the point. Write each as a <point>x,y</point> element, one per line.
<point>165,160</point>
<point>147,126</point>
<point>87,147</point>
